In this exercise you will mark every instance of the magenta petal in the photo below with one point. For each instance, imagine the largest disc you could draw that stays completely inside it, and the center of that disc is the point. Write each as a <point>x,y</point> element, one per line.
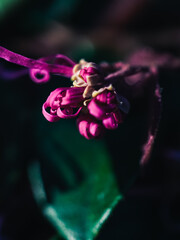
<point>53,99</point>
<point>62,103</point>
<point>87,71</point>
<point>67,113</point>
<point>110,122</point>
<point>53,103</point>
<point>102,98</point>
<point>102,104</point>
<point>83,127</point>
<point>45,76</point>
<point>89,128</point>
<point>83,74</point>
<point>73,96</point>
<point>99,110</point>
<point>66,96</point>
<point>92,71</point>
<point>95,129</point>
<point>107,97</point>
<point>96,110</point>
<point>63,60</point>
<point>35,64</point>
<point>59,59</point>
<point>50,117</point>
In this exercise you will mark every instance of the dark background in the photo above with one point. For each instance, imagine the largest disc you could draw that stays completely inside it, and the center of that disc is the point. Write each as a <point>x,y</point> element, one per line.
<point>97,31</point>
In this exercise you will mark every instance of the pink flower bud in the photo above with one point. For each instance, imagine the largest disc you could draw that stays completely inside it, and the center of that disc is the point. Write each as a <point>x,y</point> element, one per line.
<point>87,71</point>
<point>112,121</point>
<point>102,105</point>
<point>88,127</point>
<point>63,103</point>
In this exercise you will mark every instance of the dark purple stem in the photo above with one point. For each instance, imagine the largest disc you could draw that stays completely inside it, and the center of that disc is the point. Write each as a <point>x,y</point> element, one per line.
<point>155,111</point>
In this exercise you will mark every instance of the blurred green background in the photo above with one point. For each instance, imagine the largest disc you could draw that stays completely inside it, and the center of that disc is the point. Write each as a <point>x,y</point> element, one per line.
<point>53,183</point>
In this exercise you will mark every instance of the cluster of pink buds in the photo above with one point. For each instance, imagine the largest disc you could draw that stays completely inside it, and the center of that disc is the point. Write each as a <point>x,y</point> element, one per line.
<point>96,104</point>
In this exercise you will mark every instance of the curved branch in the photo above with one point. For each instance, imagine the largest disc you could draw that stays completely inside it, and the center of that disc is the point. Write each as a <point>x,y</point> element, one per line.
<point>155,111</point>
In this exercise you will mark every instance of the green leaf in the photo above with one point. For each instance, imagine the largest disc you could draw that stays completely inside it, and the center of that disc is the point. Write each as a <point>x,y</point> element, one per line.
<point>73,183</point>
<point>6,5</point>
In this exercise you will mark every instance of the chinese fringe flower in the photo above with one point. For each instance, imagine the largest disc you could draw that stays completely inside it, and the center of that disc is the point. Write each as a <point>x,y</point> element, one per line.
<point>97,104</point>
<point>92,97</point>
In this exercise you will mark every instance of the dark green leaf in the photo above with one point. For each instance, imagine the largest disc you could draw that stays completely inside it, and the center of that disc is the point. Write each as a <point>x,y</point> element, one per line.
<point>6,5</point>
<point>74,183</point>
